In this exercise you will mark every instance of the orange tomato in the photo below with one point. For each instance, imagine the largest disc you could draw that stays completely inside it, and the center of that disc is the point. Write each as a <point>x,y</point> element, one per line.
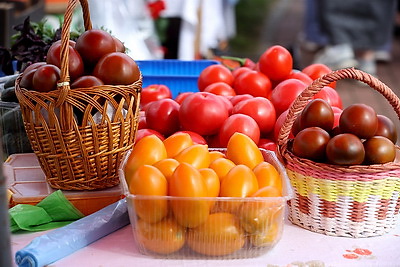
<point>240,181</point>
<point>187,181</point>
<point>268,237</point>
<point>222,166</point>
<point>219,235</point>
<point>163,237</point>
<point>149,181</point>
<point>267,175</point>
<point>147,150</point>
<point>241,149</point>
<point>268,191</point>
<point>216,155</point>
<point>196,155</point>
<point>167,167</point>
<point>212,181</point>
<point>177,142</point>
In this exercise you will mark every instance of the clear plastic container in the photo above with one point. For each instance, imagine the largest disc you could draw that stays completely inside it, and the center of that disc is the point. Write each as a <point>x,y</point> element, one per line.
<point>221,227</point>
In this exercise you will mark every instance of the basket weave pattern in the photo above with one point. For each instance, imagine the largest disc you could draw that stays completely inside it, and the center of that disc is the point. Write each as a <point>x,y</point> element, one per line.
<point>80,135</point>
<point>351,201</point>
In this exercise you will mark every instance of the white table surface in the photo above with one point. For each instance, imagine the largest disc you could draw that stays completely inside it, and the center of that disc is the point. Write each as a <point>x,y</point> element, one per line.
<point>297,246</point>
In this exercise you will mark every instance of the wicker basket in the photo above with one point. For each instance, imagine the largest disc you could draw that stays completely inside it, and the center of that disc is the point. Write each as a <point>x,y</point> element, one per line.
<point>350,201</point>
<point>84,153</point>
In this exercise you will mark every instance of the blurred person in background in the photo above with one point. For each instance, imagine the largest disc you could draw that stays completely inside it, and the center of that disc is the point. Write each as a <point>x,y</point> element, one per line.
<point>350,32</point>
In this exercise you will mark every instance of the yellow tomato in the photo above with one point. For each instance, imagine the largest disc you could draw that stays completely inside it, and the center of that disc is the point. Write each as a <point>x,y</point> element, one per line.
<point>222,166</point>
<point>149,181</point>
<point>219,235</point>
<point>167,167</point>
<point>163,237</point>
<point>187,181</point>
<point>216,155</point>
<point>212,181</point>
<point>196,155</point>
<point>241,149</point>
<point>177,142</point>
<point>240,181</point>
<point>268,191</point>
<point>267,175</point>
<point>268,237</point>
<point>147,150</point>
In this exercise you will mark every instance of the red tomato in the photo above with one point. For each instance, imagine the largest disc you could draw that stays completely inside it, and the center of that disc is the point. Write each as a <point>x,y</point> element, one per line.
<point>300,76</point>
<point>196,138</point>
<point>220,88</point>
<point>145,132</point>
<point>86,81</point>
<point>213,141</point>
<point>181,96</point>
<point>285,93</point>
<point>142,120</point>
<point>214,73</point>
<point>261,110</point>
<point>238,71</point>
<point>203,113</point>
<point>267,144</point>
<point>317,70</point>
<point>254,83</point>
<point>117,69</point>
<point>237,98</point>
<point>330,95</point>
<point>94,44</point>
<point>276,62</point>
<point>278,125</point>
<point>228,104</point>
<point>154,92</point>
<point>163,116</point>
<point>45,78</point>
<point>239,123</point>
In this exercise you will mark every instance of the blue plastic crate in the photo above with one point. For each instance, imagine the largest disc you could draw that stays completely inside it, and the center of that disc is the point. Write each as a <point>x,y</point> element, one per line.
<point>179,75</point>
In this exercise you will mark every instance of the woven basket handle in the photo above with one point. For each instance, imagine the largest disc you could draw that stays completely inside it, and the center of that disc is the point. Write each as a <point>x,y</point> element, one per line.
<point>302,100</point>
<point>63,84</point>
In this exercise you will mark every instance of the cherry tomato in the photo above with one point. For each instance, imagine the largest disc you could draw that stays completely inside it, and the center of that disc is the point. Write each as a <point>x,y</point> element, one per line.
<point>94,44</point>
<point>261,110</point>
<point>154,92</point>
<point>176,143</point>
<point>75,62</point>
<point>345,149</point>
<point>220,235</point>
<point>285,93</point>
<point>203,113</point>
<point>45,78</point>
<point>317,70</point>
<point>360,120</point>
<point>220,88</point>
<point>379,150</point>
<point>241,149</point>
<point>163,237</point>
<point>239,123</point>
<point>147,180</point>
<point>386,128</point>
<point>276,62</point>
<point>254,83</point>
<point>117,69</point>
<point>212,74</point>
<point>311,143</point>
<point>163,116</point>
<point>317,113</point>
<point>331,96</point>
<point>86,81</point>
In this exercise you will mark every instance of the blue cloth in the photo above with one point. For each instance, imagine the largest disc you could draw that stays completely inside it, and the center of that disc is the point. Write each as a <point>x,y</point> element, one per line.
<point>61,242</point>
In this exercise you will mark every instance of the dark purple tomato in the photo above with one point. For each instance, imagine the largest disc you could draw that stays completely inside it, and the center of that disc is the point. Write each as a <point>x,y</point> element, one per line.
<point>379,150</point>
<point>296,128</point>
<point>119,46</point>
<point>317,113</point>
<point>27,79</point>
<point>310,143</point>
<point>117,69</point>
<point>45,78</point>
<point>33,66</point>
<point>345,149</point>
<point>386,128</point>
<point>94,44</point>
<point>86,81</point>
<point>360,120</point>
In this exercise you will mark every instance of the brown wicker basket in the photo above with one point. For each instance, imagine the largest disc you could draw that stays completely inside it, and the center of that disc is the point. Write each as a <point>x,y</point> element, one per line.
<point>84,154</point>
<point>351,201</point>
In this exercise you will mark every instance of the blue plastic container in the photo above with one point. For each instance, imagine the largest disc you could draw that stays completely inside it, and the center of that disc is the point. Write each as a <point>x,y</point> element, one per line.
<point>179,75</point>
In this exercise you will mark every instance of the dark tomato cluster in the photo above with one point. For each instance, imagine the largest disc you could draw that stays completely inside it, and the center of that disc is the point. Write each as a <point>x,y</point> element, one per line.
<point>95,58</point>
<point>356,135</point>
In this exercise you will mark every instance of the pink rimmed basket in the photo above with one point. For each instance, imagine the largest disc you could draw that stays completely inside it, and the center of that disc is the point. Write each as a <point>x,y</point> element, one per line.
<point>348,201</point>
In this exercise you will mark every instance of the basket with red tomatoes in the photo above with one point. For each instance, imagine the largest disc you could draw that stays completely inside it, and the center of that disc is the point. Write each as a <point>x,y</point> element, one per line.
<point>80,107</point>
<point>343,164</point>
<point>188,200</point>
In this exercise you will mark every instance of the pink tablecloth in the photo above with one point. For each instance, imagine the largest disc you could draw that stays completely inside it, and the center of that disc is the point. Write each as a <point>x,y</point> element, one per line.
<point>296,246</point>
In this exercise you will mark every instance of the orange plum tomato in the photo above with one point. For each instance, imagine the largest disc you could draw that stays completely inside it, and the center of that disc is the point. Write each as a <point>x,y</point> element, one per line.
<point>220,88</point>
<point>254,83</point>
<point>196,155</point>
<point>163,116</point>
<point>222,166</point>
<point>187,182</point>
<point>45,78</point>
<point>241,149</point>
<point>276,62</point>
<point>240,181</point>
<point>317,70</point>
<point>239,123</point>
<point>163,237</point>
<point>212,74</point>
<point>203,113</point>
<point>215,154</point>
<point>220,235</point>
<point>167,167</point>
<point>147,150</point>
<point>177,142</point>
<point>154,92</point>
<point>196,138</point>
<point>261,110</point>
<point>149,181</point>
<point>267,175</point>
<point>212,181</point>
<point>285,93</point>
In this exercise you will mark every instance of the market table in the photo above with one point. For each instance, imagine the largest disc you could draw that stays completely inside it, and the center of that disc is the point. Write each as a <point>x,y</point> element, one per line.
<point>297,246</point>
